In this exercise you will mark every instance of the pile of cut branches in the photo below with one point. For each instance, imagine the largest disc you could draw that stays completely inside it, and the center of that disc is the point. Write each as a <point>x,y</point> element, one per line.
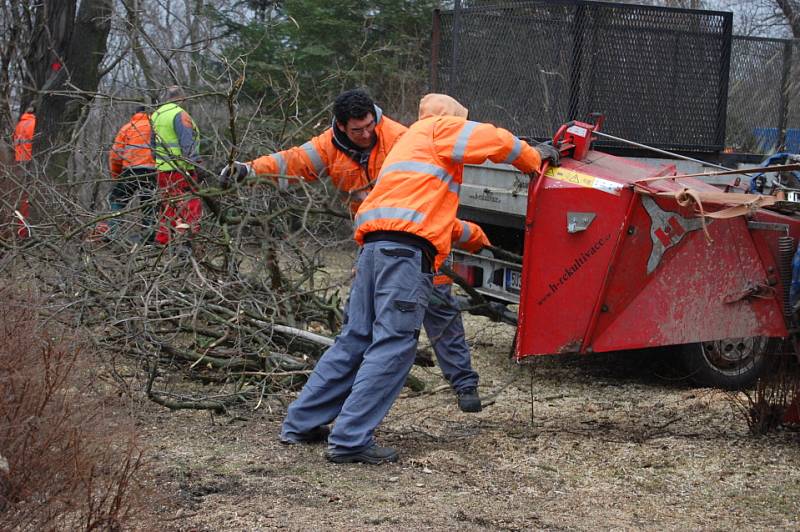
<point>247,304</point>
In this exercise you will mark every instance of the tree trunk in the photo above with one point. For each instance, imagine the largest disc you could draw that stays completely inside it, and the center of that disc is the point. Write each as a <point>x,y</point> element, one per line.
<point>791,10</point>
<point>67,90</point>
<point>13,24</point>
<point>52,33</point>
<point>133,11</point>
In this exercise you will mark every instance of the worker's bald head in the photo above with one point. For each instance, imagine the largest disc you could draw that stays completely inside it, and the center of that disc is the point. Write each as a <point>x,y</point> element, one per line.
<point>174,93</point>
<point>29,109</point>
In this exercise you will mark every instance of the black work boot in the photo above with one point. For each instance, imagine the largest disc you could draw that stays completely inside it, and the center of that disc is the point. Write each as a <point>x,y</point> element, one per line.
<point>469,400</point>
<point>371,455</point>
<point>317,435</point>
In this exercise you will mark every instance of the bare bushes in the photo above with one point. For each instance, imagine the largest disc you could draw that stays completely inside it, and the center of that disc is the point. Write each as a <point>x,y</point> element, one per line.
<point>776,392</point>
<point>775,400</point>
<point>64,463</point>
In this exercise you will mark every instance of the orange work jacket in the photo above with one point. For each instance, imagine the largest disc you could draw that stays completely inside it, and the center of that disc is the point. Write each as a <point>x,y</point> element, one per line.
<point>131,147</point>
<point>324,156</point>
<point>417,189</point>
<point>23,137</point>
<point>467,236</point>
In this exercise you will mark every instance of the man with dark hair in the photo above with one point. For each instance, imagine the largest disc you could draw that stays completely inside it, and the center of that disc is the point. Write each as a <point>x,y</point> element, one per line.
<point>351,151</point>
<point>355,115</point>
<point>132,168</point>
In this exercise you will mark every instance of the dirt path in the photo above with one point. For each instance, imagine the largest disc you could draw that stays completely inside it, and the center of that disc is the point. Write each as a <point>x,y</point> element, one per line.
<point>585,443</point>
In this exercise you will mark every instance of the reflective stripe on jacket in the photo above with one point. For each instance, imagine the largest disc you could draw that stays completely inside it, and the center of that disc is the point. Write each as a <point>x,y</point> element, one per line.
<point>174,138</point>
<point>467,236</point>
<point>23,137</point>
<point>320,157</point>
<point>131,147</point>
<point>417,190</point>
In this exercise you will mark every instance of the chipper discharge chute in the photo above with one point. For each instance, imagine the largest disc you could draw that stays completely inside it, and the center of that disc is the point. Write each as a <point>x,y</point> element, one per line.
<point>620,256</point>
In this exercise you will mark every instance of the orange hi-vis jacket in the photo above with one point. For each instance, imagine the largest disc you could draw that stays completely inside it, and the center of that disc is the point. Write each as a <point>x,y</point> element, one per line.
<point>467,236</point>
<point>131,147</point>
<point>417,189</point>
<point>23,137</point>
<point>325,155</point>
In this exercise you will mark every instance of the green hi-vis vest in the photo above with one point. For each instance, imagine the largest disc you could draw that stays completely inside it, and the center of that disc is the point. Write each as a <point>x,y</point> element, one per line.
<point>167,150</point>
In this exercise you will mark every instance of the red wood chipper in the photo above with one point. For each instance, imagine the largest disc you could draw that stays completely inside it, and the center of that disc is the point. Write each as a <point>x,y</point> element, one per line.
<point>623,255</point>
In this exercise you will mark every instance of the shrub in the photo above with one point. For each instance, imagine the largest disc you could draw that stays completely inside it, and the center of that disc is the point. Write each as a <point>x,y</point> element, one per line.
<point>65,461</point>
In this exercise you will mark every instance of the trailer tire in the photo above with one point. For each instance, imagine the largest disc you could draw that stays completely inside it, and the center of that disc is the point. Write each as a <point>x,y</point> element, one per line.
<point>730,364</point>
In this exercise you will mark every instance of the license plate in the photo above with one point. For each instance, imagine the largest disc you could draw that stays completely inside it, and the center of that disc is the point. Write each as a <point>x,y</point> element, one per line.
<point>513,280</point>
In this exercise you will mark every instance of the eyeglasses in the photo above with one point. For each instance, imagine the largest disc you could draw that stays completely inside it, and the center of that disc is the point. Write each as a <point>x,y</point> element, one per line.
<point>363,129</point>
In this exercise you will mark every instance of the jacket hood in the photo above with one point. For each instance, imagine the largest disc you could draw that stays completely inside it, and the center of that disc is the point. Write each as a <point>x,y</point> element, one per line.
<point>27,116</point>
<point>440,105</point>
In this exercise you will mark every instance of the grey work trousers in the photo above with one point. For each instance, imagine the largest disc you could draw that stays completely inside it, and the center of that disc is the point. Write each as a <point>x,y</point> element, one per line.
<point>358,378</point>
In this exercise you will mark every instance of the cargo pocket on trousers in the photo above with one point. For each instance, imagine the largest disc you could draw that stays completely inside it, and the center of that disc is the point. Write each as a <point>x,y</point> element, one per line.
<point>406,315</point>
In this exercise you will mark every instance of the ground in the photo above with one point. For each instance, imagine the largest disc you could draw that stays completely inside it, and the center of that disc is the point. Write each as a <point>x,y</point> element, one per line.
<point>577,443</point>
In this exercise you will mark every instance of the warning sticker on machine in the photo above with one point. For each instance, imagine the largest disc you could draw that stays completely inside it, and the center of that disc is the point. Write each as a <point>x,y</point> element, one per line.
<point>577,131</point>
<point>584,180</point>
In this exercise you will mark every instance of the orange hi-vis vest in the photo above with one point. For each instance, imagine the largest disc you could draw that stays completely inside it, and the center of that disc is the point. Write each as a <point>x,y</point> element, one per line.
<point>23,137</point>
<point>417,189</point>
<point>467,236</point>
<point>131,147</point>
<point>320,157</point>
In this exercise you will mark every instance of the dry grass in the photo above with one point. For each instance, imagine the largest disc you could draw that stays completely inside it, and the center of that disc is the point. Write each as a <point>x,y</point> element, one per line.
<point>575,443</point>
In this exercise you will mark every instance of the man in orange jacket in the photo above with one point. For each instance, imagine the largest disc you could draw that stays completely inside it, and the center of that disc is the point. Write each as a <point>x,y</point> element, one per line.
<point>23,153</point>
<point>351,152</point>
<point>405,227</point>
<point>131,164</point>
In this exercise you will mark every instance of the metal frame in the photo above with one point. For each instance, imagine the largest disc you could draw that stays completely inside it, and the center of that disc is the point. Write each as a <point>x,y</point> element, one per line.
<point>712,140</point>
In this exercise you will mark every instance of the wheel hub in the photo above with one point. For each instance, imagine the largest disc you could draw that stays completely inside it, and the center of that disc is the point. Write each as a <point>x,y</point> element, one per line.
<point>733,353</point>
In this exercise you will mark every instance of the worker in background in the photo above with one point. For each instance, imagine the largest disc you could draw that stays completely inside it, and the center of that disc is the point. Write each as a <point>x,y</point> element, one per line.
<point>23,154</point>
<point>132,168</point>
<point>352,152</point>
<point>175,144</point>
<point>405,227</point>
<point>23,136</point>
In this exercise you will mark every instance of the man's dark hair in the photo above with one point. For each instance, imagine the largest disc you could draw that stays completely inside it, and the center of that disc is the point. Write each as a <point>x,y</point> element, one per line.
<point>352,104</point>
<point>140,109</point>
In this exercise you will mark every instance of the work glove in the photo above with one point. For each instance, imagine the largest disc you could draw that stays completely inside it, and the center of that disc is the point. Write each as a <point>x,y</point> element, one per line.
<point>548,153</point>
<point>234,172</point>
